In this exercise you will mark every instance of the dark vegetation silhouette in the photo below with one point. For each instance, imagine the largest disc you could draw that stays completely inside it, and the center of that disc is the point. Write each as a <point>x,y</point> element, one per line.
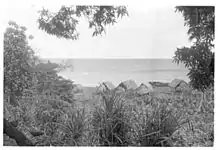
<point>63,23</point>
<point>198,58</point>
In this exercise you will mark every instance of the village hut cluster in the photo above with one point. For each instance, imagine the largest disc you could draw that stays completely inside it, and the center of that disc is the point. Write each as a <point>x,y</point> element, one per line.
<point>176,85</point>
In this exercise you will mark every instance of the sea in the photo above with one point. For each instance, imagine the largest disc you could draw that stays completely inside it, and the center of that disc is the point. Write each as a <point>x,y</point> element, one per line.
<point>92,72</point>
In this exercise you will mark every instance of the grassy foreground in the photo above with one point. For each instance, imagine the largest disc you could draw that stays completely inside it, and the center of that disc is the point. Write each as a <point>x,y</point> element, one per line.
<point>117,119</point>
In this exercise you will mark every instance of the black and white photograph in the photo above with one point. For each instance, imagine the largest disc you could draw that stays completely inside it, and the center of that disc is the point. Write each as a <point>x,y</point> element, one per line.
<point>108,75</point>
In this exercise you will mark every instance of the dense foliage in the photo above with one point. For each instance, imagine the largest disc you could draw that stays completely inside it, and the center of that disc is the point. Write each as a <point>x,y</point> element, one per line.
<point>30,85</point>
<point>198,58</point>
<point>64,22</point>
<point>18,56</point>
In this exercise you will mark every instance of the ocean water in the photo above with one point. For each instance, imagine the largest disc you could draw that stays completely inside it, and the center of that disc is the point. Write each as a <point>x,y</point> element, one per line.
<point>91,72</point>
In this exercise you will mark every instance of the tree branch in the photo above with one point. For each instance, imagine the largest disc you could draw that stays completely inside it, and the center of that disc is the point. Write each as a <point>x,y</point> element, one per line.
<point>18,136</point>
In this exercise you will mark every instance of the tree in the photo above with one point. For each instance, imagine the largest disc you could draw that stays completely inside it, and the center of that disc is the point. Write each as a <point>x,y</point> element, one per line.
<point>63,23</point>
<point>18,56</point>
<point>198,58</point>
<point>27,82</point>
<point>21,68</point>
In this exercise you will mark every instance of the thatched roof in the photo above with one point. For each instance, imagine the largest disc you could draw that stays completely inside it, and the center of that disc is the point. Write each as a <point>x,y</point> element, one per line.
<point>176,82</point>
<point>109,85</point>
<point>144,89</point>
<point>105,86</point>
<point>183,86</point>
<point>179,85</point>
<point>127,85</point>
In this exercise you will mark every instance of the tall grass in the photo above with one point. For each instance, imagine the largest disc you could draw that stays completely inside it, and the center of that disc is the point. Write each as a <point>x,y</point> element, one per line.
<point>111,122</point>
<point>153,123</point>
<point>122,120</point>
<point>74,128</point>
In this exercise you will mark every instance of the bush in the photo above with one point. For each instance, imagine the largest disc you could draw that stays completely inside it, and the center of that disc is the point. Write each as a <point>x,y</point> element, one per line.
<point>111,122</point>
<point>74,128</point>
<point>154,124</point>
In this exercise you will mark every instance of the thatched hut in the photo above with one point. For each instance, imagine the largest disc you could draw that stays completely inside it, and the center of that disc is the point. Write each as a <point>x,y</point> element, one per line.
<point>144,89</point>
<point>179,85</point>
<point>128,85</point>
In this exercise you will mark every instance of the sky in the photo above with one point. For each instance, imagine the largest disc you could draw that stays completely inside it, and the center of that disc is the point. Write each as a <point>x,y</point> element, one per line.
<point>148,32</point>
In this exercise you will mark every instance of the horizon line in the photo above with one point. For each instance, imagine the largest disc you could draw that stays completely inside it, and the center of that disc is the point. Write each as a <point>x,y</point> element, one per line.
<point>105,58</point>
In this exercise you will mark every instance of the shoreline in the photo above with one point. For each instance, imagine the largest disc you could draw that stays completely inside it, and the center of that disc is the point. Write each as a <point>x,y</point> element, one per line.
<point>94,81</point>
<point>96,85</point>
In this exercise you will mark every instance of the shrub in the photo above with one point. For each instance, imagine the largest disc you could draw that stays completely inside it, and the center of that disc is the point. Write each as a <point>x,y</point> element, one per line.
<point>74,128</point>
<point>154,124</point>
<point>111,122</point>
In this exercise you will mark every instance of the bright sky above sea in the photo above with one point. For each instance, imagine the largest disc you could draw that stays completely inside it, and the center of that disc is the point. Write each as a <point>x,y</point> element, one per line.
<point>150,31</point>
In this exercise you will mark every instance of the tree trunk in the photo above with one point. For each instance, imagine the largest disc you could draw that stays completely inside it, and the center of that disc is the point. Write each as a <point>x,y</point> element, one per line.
<point>18,136</point>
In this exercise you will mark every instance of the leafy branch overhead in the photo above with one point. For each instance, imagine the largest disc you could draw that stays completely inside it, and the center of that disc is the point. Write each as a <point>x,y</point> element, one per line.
<point>64,22</point>
<point>201,22</point>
